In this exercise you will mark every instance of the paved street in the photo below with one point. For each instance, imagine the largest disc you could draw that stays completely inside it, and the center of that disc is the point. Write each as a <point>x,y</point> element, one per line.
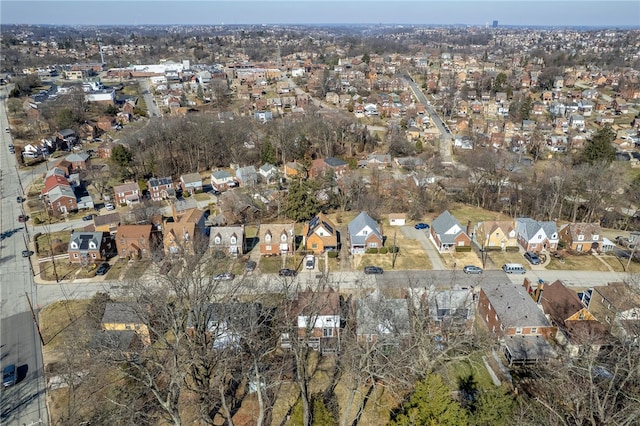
<point>24,403</point>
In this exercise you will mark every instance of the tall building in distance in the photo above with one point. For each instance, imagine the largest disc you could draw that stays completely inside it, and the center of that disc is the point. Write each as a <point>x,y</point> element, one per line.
<point>495,24</point>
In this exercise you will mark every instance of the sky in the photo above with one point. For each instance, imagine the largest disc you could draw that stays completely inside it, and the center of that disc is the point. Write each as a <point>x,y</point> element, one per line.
<point>598,13</point>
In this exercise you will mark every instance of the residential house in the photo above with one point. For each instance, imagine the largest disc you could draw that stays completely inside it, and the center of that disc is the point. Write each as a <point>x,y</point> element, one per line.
<point>496,234</point>
<point>124,316</point>
<point>314,319</point>
<point>576,121</point>
<point>161,188</point>
<point>510,313</point>
<point>451,308</point>
<point>221,180</point>
<point>293,168</point>
<point>268,172</point>
<point>134,241</point>
<point>321,166</point>
<point>62,199</point>
<point>277,238</point>
<point>230,240</point>
<point>65,139</point>
<point>107,223</point>
<point>105,149</point>
<point>382,320</point>
<point>90,247</point>
<point>127,193</point>
<point>578,329</point>
<point>79,160</point>
<point>377,161</point>
<point>186,235</point>
<point>582,237</point>
<point>537,236</point>
<point>54,180</point>
<point>364,233</point>
<point>447,234</point>
<point>617,307</point>
<point>191,183</point>
<point>397,219</point>
<point>247,176</point>
<point>320,234</point>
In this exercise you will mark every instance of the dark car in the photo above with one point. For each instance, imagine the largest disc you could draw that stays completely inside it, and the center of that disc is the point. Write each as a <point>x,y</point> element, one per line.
<point>373,270</point>
<point>19,199</point>
<point>250,266</point>
<point>285,272</point>
<point>532,258</point>
<point>23,218</point>
<point>27,253</point>
<point>87,217</point>
<point>472,269</point>
<point>421,226</point>
<point>102,269</point>
<point>9,375</point>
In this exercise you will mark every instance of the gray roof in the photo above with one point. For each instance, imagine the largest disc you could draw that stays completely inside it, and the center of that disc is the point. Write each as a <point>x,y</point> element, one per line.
<point>191,178</point>
<point>83,240</point>
<point>360,222</point>
<point>225,233</point>
<point>334,162</point>
<point>221,174</point>
<point>528,227</point>
<point>77,156</point>
<point>154,182</point>
<point>122,313</point>
<point>445,227</point>
<point>377,315</point>
<point>60,191</point>
<point>528,348</point>
<point>266,168</point>
<point>246,172</point>
<point>514,307</point>
<point>451,303</point>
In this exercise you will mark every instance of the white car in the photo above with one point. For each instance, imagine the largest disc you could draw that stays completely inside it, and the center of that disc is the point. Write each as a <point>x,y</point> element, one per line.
<point>310,261</point>
<point>109,206</point>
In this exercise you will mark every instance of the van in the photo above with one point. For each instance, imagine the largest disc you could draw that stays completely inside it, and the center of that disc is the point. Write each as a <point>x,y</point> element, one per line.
<point>514,268</point>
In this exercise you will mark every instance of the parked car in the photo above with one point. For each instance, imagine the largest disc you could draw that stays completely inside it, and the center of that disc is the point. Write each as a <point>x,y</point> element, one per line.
<point>23,218</point>
<point>19,199</point>
<point>87,217</point>
<point>532,258</point>
<point>102,269</point>
<point>6,129</point>
<point>310,261</point>
<point>250,266</point>
<point>9,375</point>
<point>472,269</point>
<point>421,226</point>
<point>27,253</point>
<point>109,206</point>
<point>373,270</point>
<point>285,272</point>
<point>225,276</point>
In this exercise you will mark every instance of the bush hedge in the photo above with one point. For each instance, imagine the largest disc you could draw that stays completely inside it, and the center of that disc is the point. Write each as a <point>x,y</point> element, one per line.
<point>461,249</point>
<point>371,251</point>
<point>394,249</point>
<point>383,250</point>
<point>332,254</point>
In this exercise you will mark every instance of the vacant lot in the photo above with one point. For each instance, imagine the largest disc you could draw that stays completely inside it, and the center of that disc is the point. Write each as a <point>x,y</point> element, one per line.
<point>56,242</point>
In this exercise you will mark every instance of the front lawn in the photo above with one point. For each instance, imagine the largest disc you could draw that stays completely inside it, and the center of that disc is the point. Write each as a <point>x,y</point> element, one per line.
<point>585,262</point>
<point>63,270</point>
<point>56,241</point>
<point>137,268</point>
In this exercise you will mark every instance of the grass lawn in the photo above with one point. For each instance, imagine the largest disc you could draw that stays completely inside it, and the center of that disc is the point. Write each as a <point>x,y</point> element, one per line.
<point>137,269</point>
<point>202,197</point>
<point>620,265</point>
<point>58,240</point>
<point>62,321</point>
<point>465,213</point>
<point>64,270</point>
<point>116,269</point>
<point>577,263</point>
<point>464,368</point>
<point>461,259</point>
<point>270,264</point>
<point>499,258</point>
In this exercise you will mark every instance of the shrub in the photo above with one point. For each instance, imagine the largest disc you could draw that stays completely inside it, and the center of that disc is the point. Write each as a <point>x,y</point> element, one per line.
<point>384,250</point>
<point>394,249</point>
<point>332,254</point>
<point>372,251</point>
<point>512,249</point>
<point>462,249</point>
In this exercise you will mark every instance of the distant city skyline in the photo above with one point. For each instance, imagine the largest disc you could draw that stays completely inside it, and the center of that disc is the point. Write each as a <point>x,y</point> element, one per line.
<point>570,13</point>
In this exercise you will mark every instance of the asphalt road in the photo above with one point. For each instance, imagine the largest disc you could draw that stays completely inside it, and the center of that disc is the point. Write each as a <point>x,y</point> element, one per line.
<point>446,139</point>
<point>24,403</point>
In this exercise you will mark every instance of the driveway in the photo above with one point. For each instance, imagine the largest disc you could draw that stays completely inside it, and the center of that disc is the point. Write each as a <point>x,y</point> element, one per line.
<point>422,235</point>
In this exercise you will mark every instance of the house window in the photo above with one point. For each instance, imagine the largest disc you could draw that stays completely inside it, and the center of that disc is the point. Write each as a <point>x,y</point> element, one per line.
<point>283,237</point>
<point>519,330</point>
<point>267,248</point>
<point>93,255</point>
<point>534,330</point>
<point>314,246</point>
<point>581,316</point>
<point>217,239</point>
<point>267,237</point>
<point>127,326</point>
<point>580,237</point>
<point>596,237</point>
<point>373,245</point>
<point>327,332</point>
<point>75,255</point>
<point>233,240</point>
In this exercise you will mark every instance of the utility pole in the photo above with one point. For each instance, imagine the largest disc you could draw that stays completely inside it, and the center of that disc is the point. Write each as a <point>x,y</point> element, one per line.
<point>35,319</point>
<point>394,255</point>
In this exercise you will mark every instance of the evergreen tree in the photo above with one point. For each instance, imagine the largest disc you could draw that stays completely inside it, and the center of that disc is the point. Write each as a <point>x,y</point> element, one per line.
<point>431,404</point>
<point>492,407</point>
<point>122,158</point>
<point>268,153</point>
<point>599,147</point>
<point>301,204</point>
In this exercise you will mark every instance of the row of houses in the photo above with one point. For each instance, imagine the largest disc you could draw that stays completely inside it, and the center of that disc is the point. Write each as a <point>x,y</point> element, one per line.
<point>526,233</point>
<point>530,328</point>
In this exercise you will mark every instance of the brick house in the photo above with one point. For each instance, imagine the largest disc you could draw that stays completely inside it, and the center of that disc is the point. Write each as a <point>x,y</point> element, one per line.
<point>90,247</point>
<point>320,234</point>
<point>161,188</point>
<point>537,236</point>
<point>227,239</point>
<point>277,238</point>
<point>364,233</point>
<point>127,193</point>
<point>134,241</point>
<point>446,233</point>
<point>582,237</point>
